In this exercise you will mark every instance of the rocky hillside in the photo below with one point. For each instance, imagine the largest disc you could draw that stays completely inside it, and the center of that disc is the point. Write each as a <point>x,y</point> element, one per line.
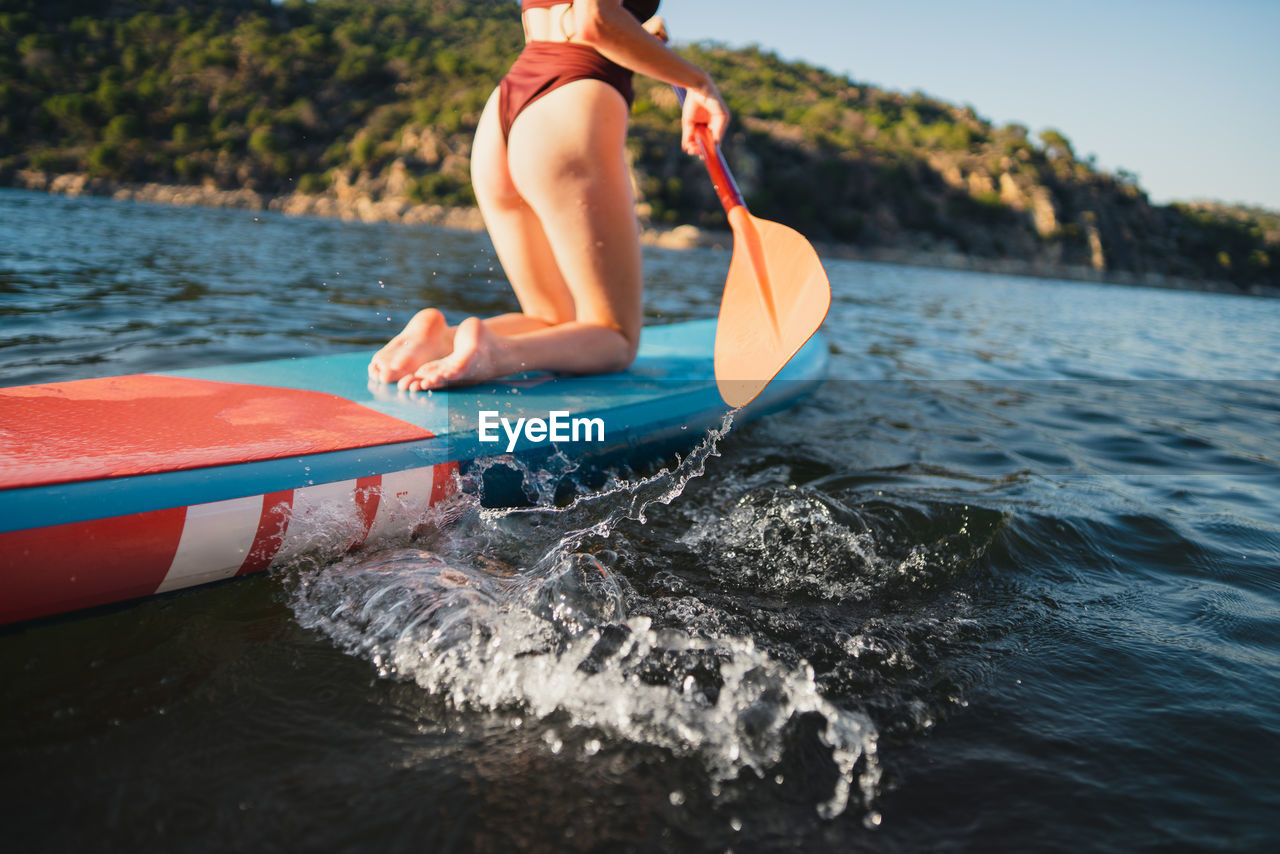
<point>366,108</point>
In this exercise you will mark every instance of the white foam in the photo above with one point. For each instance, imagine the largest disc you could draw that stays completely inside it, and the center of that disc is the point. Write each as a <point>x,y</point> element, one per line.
<point>522,611</point>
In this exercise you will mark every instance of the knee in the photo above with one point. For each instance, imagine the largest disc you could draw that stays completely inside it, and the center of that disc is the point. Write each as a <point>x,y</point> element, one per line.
<point>622,353</point>
<point>624,360</point>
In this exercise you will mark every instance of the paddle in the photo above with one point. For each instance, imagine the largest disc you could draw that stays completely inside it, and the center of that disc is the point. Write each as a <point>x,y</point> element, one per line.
<point>776,295</point>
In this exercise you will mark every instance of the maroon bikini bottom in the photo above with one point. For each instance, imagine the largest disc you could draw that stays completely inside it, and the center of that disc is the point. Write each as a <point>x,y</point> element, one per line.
<point>543,67</point>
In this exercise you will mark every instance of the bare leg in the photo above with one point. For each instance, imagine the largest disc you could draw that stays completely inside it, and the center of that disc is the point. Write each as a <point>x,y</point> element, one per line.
<point>522,248</point>
<point>514,228</point>
<point>560,211</point>
<point>568,162</point>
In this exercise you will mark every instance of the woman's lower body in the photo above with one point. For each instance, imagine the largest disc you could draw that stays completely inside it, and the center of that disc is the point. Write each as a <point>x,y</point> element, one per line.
<point>556,197</point>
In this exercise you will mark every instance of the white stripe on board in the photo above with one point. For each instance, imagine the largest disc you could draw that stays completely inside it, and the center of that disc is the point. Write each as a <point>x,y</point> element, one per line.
<point>325,520</point>
<point>404,498</point>
<point>215,539</point>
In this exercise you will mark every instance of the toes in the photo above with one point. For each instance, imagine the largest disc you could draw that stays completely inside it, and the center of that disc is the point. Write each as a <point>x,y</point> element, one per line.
<point>380,371</point>
<point>432,375</point>
<point>437,374</point>
<point>421,379</point>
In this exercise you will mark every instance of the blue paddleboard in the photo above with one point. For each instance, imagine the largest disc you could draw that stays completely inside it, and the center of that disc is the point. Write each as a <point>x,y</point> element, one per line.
<point>123,487</point>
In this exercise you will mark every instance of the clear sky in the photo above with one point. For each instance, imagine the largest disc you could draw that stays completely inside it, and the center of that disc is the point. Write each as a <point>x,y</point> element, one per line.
<point>1184,93</point>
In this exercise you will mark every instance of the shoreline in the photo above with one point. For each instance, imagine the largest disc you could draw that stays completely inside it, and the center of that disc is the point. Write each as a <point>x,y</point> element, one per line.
<point>353,203</point>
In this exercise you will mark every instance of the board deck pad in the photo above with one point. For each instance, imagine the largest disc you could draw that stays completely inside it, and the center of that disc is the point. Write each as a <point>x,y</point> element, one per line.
<point>144,424</point>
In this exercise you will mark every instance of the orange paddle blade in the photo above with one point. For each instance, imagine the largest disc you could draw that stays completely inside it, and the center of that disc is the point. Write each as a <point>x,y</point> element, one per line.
<point>775,298</point>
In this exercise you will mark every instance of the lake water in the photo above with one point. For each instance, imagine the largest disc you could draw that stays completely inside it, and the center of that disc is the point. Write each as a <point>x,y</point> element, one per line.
<point>1009,581</point>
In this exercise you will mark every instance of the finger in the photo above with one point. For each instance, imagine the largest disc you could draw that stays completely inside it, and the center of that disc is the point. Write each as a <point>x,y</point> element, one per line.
<point>693,116</point>
<point>718,120</point>
<point>717,126</point>
<point>690,140</point>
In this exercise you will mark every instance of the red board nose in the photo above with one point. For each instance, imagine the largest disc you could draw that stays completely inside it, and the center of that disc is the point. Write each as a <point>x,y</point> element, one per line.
<point>144,424</point>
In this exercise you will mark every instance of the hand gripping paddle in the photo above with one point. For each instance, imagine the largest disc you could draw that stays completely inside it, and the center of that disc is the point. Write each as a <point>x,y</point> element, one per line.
<point>776,295</point>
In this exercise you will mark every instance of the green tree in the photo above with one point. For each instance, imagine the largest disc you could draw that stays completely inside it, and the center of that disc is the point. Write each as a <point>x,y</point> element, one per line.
<point>1056,145</point>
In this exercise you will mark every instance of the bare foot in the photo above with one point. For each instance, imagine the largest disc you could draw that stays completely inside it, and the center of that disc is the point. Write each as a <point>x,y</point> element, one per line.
<point>425,338</point>
<point>474,358</point>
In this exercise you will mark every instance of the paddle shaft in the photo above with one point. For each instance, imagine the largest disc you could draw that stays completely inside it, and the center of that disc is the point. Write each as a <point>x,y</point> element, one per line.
<point>740,219</point>
<point>717,167</point>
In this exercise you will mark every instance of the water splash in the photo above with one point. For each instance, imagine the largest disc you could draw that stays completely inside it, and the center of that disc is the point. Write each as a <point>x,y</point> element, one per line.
<point>523,611</point>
